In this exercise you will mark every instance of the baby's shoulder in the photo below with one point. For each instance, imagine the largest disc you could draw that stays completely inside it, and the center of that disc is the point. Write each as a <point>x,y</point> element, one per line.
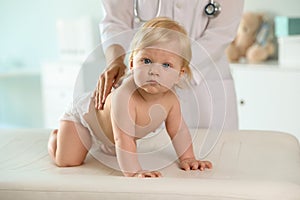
<point>123,94</point>
<point>171,96</point>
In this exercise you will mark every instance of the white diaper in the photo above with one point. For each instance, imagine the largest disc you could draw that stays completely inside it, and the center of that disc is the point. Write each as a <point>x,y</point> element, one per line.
<point>76,109</point>
<point>75,112</point>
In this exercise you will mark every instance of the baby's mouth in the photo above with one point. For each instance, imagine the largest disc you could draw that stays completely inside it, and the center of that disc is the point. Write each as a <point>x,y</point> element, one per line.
<point>152,82</point>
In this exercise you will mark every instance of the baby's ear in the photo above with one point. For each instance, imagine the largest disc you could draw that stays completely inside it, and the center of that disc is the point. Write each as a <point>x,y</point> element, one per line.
<point>182,71</point>
<point>130,63</point>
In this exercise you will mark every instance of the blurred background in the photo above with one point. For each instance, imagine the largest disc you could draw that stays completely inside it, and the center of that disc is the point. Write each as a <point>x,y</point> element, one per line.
<point>43,44</point>
<point>35,33</point>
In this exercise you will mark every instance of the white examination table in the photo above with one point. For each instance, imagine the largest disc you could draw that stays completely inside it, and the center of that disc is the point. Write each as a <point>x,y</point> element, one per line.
<point>247,165</point>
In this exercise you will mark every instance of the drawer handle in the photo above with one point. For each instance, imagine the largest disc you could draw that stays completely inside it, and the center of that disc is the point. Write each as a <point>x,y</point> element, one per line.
<point>242,102</point>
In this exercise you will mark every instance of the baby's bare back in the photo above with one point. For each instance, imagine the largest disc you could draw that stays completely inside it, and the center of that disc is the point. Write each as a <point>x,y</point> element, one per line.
<point>132,113</point>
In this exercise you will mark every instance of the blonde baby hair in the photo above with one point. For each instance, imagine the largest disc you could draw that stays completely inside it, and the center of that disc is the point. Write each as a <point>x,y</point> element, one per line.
<point>163,30</point>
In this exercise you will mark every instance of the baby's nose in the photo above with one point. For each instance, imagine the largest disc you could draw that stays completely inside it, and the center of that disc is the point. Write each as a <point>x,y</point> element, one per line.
<point>154,69</point>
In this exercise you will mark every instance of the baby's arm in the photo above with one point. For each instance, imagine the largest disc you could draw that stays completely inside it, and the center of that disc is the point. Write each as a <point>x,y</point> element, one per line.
<point>182,141</point>
<point>123,124</point>
<point>127,156</point>
<point>126,152</point>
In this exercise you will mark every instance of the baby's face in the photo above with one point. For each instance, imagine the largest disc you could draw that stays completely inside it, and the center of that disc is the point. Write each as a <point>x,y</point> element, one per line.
<point>156,70</point>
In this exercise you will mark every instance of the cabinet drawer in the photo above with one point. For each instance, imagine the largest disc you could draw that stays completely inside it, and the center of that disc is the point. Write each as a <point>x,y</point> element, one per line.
<point>55,102</point>
<point>268,99</point>
<point>57,75</point>
<point>58,97</point>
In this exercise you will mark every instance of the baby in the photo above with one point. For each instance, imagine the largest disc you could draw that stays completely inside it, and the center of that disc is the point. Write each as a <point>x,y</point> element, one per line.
<point>160,57</point>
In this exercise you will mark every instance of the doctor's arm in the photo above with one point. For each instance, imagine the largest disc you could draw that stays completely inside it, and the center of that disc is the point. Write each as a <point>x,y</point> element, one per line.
<point>117,19</point>
<point>110,77</point>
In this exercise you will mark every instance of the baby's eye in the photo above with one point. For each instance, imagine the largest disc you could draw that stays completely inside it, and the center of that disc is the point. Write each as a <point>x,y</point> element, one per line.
<point>147,61</point>
<point>166,65</point>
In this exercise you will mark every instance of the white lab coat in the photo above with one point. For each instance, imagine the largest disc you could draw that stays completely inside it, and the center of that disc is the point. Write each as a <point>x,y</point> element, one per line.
<point>210,102</point>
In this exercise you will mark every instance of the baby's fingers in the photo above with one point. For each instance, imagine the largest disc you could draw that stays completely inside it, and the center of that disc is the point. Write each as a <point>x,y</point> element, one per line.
<point>185,166</point>
<point>194,165</point>
<point>204,164</point>
<point>209,165</point>
<point>157,174</point>
<point>154,174</point>
<point>190,165</point>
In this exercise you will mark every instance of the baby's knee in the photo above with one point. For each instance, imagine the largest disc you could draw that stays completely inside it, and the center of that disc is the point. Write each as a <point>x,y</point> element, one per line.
<point>67,163</point>
<point>65,160</point>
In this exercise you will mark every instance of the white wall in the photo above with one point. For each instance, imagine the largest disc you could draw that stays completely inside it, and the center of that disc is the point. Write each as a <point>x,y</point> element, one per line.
<point>20,101</point>
<point>28,37</point>
<point>28,28</point>
<point>276,7</point>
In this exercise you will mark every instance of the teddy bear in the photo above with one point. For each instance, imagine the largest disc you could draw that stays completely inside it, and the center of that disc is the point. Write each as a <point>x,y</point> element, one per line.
<point>254,40</point>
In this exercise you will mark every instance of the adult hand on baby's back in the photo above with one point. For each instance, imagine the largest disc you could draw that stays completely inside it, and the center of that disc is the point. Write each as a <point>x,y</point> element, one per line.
<point>109,78</point>
<point>193,164</point>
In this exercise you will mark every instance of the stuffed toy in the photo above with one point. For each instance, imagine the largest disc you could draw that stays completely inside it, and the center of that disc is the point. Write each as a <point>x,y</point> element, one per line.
<point>254,40</point>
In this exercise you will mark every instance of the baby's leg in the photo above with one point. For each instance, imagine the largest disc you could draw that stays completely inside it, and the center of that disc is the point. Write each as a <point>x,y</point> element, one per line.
<point>69,145</point>
<point>52,144</point>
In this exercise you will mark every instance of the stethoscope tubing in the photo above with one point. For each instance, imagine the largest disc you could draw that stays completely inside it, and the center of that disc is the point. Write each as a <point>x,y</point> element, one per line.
<point>137,17</point>
<point>212,9</point>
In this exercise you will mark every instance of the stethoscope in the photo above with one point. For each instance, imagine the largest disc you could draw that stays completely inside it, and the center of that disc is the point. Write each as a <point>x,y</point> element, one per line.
<point>211,10</point>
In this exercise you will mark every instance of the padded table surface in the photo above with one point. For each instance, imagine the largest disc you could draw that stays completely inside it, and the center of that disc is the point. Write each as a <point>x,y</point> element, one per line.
<point>247,165</point>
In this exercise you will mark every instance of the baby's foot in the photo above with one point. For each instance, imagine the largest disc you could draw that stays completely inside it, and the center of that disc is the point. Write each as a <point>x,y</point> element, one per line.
<point>52,143</point>
<point>54,131</point>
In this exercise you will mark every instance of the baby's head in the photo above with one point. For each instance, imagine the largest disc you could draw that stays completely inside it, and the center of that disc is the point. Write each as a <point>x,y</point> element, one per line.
<point>164,34</point>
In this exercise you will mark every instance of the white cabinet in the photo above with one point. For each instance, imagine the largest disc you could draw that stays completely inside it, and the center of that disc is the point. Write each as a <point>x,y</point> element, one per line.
<point>20,98</point>
<point>268,97</point>
<point>58,81</point>
<point>64,80</point>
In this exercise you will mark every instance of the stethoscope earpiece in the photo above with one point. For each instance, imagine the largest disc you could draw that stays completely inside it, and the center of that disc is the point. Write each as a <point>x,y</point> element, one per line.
<point>212,9</point>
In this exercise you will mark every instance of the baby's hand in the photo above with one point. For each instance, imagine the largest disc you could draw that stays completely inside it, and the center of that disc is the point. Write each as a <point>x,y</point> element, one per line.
<point>193,164</point>
<point>148,174</point>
